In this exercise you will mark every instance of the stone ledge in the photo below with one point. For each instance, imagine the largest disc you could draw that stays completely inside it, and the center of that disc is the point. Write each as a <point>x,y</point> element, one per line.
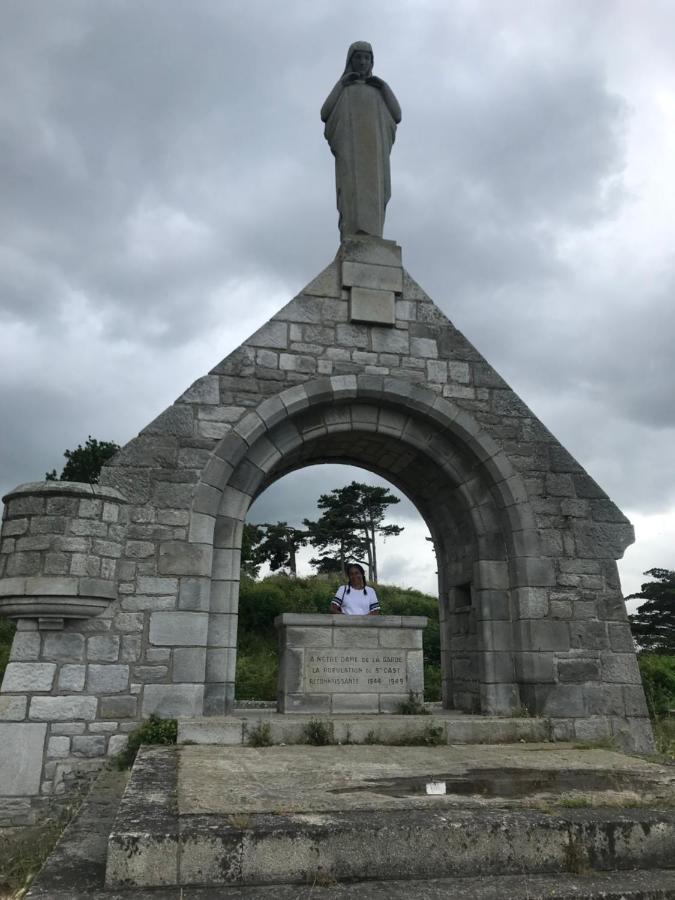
<point>66,489</point>
<point>320,620</point>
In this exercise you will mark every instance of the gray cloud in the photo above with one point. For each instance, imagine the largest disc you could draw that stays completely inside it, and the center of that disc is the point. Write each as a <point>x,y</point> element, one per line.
<point>166,186</point>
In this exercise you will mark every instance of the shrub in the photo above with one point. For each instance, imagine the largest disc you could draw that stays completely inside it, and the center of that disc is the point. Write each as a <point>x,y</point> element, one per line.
<point>316,732</point>
<point>658,678</point>
<point>153,731</point>
<point>413,706</point>
<point>432,682</point>
<point>664,734</point>
<point>260,735</point>
<point>429,736</point>
<point>257,665</point>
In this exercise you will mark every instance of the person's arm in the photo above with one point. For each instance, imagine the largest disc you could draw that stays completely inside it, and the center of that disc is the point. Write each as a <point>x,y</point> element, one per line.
<point>336,604</point>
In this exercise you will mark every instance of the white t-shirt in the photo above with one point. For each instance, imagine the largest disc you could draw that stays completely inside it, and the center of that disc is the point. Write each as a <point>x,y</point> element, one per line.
<point>356,601</point>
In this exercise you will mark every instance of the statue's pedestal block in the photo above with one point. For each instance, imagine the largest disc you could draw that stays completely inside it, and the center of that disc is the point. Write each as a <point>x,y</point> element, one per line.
<point>372,273</point>
<point>348,664</point>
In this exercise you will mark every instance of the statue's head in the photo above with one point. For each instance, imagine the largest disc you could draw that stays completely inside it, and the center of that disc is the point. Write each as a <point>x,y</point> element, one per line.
<point>360,59</point>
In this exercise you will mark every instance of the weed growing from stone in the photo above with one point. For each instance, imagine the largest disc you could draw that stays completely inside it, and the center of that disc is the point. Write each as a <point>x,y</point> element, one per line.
<point>413,706</point>
<point>260,735</point>
<point>239,820</point>
<point>316,732</point>
<point>153,731</point>
<point>429,736</point>
<point>607,743</point>
<point>322,878</point>
<point>372,738</point>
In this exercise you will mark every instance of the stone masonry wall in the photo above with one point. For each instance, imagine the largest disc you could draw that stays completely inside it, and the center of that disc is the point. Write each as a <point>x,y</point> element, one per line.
<point>553,607</point>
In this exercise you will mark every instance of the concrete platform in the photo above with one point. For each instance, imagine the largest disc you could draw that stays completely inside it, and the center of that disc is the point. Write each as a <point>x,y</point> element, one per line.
<point>75,871</point>
<point>200,815</point>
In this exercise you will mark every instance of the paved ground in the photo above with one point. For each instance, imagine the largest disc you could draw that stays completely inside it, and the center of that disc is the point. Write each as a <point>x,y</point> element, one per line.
<point>243,780</point>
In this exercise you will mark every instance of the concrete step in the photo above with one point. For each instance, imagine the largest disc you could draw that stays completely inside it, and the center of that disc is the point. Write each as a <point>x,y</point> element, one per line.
<point>615,885</point>
<point>441,726</point>
<point>316,815</point>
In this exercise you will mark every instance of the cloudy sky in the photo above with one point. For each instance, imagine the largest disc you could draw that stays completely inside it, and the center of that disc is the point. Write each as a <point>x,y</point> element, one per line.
<point>165,187</point>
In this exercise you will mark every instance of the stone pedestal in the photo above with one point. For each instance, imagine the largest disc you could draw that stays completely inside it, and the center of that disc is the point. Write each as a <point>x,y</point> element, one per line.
<point>372,273</point>
<point>348,664</point>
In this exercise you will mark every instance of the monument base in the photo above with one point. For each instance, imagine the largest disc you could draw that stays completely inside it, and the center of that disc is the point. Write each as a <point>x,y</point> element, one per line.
<point>348,664</point>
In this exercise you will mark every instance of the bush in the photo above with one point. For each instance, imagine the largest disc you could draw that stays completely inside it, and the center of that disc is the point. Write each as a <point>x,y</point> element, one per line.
<point>260,735</point>
<point>316,732</point>
<point>432,683</point>
<point>413,706</point>
<point>257,665</point>
<point>658,678</point>
<point>153,731</point>
<point>664,734</point>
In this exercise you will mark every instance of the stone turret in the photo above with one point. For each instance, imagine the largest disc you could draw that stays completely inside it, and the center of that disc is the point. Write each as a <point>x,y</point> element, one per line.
<point>60,545</point>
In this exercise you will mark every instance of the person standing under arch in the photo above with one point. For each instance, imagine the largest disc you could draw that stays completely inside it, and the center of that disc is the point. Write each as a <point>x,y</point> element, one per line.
<point>355,598</point>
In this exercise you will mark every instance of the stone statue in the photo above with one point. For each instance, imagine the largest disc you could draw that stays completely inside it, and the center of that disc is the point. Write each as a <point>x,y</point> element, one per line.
<point>361,114</point>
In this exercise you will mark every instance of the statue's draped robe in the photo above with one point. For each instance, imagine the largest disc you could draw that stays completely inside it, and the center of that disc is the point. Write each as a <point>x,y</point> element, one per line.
<point>360,131</point>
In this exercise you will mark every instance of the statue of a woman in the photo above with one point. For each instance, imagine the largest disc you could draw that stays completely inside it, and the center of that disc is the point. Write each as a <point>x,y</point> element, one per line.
<point>361,114</point>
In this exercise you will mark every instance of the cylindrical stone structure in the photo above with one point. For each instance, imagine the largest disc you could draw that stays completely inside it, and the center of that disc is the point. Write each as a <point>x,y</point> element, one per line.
<point>60,544</point>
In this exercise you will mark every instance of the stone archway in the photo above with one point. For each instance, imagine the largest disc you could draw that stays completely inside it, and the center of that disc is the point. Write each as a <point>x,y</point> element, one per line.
<point>464,487</point>
<point>526,541</point>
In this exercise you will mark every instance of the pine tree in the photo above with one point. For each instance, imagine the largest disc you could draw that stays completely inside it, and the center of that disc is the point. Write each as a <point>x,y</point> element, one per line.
<point>653,623</point>
<point>352,520</point>
<point>85,463</point>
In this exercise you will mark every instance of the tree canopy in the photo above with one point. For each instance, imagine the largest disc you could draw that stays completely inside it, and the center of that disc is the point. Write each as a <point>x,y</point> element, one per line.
<point>653,623</point>
<point>351,521</point>
<point>85,463</point>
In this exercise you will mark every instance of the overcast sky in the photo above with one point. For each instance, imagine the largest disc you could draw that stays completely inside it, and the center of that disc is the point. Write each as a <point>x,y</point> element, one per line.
<point>165,187</point>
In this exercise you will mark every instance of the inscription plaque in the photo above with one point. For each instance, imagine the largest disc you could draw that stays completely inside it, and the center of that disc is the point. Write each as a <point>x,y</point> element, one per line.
<point>355,671</point>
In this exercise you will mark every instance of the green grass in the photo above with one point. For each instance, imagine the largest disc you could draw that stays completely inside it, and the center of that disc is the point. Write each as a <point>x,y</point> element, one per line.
<point>658,679</point>
<point>664,735</point>
<point>24,850</point>
<point>152,731</point>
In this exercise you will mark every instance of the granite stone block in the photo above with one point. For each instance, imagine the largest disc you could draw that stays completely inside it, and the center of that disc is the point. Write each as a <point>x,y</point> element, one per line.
<point>21,758</point>
<point>172,700</point>
<point>72,677</point>
<point>28,677</point>
<point>63,708</point>
<point>180,628</point>
<point>107,679</point>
